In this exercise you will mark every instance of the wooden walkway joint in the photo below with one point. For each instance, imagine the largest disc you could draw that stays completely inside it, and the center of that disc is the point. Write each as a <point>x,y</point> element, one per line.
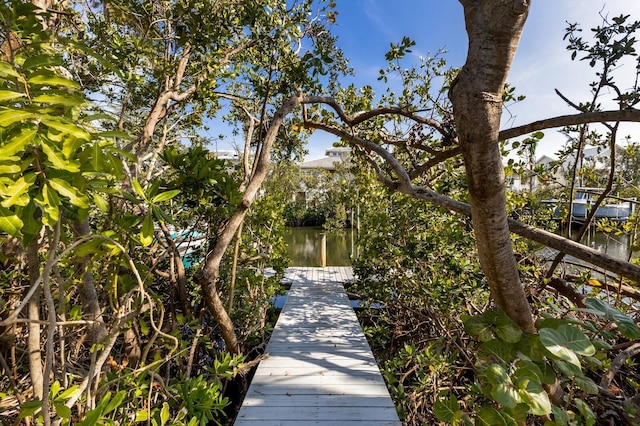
<point>320,369</point>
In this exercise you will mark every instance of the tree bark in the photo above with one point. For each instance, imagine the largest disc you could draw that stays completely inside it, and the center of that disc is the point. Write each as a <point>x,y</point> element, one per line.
<point>494,28</point>
<point>211,270</point>
<point>33,311</point>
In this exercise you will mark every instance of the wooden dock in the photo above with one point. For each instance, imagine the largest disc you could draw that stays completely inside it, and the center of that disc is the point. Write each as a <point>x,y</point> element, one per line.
<point>320,369</point>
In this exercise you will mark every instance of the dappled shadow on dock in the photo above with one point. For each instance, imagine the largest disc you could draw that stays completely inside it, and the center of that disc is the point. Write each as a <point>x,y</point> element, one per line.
<point>320,369</point>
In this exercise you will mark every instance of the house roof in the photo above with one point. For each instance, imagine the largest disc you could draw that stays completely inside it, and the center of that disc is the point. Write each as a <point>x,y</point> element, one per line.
<point>327,163</point>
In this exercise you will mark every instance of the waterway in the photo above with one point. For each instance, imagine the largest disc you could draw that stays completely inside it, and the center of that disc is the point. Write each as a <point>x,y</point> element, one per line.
<point>304,246</point>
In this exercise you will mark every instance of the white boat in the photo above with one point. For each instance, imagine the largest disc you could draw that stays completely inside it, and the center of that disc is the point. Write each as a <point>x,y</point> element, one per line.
<point>586,197</point>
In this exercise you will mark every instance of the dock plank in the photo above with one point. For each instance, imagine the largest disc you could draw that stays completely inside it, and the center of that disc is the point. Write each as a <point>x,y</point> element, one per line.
<point>320,369</point>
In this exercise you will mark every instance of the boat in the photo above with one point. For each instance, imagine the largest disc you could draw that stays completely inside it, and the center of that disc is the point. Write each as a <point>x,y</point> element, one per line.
<point>586,197</point>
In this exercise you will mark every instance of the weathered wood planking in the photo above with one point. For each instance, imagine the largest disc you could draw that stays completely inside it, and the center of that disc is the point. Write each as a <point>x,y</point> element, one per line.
<point>320,369</point>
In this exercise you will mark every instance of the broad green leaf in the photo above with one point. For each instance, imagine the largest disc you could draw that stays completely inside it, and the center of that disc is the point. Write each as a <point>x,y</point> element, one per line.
<point>537,399</point>
<point>489,416</point>
<point>17,194</point>
<point>498,348</point>
<point>586,384</point>
<point>70,146</point>
<point>66,190</point>
<point>142,416</point>
<point>165,196</point>
<point>7,95</point>
<point>10,116</point>
<point>50,203</point>
<point>42,61</point>
<point>55,388</point>
<point>479,328</point>
<point>65,127</point>
<point>560,416</point>
<point>17,144</point>
<point>585,411</point>
<point>502,389</point>
<point>100,116</point>
<point>146,233</point>
<point>57,159</point>
<point>68,393</point>
<point>446,409</point>
<point>62,410</point>
<point>566,342</point>
<point>626,325</point>
<point>65,100</point>
<point>53,81</point>
<point>30,407</point>
<point>506,329</point>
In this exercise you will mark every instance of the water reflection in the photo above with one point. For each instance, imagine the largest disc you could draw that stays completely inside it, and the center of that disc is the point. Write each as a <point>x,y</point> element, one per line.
<point>614,245</point>
<point>304,246</point>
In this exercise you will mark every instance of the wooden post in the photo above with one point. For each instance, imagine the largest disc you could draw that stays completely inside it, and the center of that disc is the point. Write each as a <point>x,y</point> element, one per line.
<point>323,250</point>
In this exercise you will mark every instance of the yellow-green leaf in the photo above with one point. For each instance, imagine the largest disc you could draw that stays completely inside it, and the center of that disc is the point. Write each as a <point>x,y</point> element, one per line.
<point>66,100</point>
<point>146,233</point>
<point>11,116</point>
<point>10,222</point>
<point>100,202</point>
<point>165,196</point>
<point>58,161</point>
<point>42,61</point>
<point>142,416</point>
<point>10,169</point>
<point>7,70</point>
<point>138,188</point>
<point>17,144</point>
<point>17,193</point>
<point>53,80</point>
<point>7,95</point>
<point>66,190</point>
<point>66,127</point>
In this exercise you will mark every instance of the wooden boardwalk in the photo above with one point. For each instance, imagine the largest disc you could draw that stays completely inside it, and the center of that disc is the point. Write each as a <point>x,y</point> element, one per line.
<point>320,369</point>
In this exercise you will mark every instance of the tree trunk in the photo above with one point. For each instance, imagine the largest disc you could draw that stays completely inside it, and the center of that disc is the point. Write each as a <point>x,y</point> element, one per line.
<point>33,311</point>
<point>211,270</point>
<point>494,28</point>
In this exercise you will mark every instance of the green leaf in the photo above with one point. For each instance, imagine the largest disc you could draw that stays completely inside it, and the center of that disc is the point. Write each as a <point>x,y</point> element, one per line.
<point>18,193</point>
<point>537,399</point>
<point>66,190</point>
<point>114,134</point>
<point>506,329</point>
<point>65,127</point>
<point>585,411</point>
<point>142,416</point>
<point>560,416</point>
<point>165,196</point>
<point>68,393</point>
<point>446,409</point>
<point>499,349</point>
<point>100,202</point>
<point>10,116</point>
<point>10,169</point>
<point>29,408</point>
<point>144,327</point>
<point>66,100</point>
<point>138,188</point>
<point>489,416</point>
<point>115,402</point>
<point>17,144</point>
<point>502,390</point>
<point>62,410</point>
<point>40,61</point>
<point>146,233</point>
<point>57,159</point>
<point>626,325</point>
<point>479,328</point>
<point>586,384</point>
<point>7,95</point>
<point>8,70</point>
<point>53,81</point>
<point>164,414</point>
<point>566,342</point>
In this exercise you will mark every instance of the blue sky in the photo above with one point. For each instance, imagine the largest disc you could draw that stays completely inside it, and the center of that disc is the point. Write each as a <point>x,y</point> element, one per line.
<point>366,27</point>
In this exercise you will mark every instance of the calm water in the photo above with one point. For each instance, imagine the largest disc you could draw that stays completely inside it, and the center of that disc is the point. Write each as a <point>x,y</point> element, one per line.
<point>304,246</point>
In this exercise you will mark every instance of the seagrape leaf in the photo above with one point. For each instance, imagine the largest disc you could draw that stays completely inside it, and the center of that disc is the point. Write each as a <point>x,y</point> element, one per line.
<point>489,416</point>
<point>626,325</point>
<point>565,342</point>
<point>446,409</point>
